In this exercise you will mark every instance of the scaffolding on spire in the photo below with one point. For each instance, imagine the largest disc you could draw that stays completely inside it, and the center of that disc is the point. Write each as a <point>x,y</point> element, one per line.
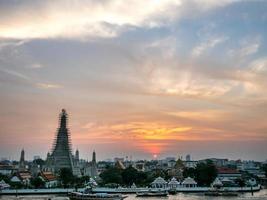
<point>61,156</point>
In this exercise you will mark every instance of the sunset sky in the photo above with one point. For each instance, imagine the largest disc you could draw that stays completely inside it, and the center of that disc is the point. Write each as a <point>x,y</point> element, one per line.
<point>137,78</point>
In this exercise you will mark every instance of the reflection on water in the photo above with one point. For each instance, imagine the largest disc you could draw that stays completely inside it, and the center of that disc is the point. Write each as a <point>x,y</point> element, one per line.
<point>262,195</point>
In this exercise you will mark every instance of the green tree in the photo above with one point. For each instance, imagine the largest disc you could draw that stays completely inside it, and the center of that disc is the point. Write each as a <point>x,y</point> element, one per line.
<point>189,172</point>
<point>80,181</point>
<point>129,175</point>
<point>112,175</point>
<point>179,164</point>
<point>37,182</point>
<point>240,182</point>
<point>158,172</point>
<point>264,168</point>
<point>66,177</point>
<point>142,179</point>
<point>205,173</point>
<point>16,185</point>
<point>39,161</point>
<point>4,177</point>
<point>149,177</point>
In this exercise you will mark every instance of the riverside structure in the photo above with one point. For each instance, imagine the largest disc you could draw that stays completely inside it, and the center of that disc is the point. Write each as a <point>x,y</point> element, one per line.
<point>122,190</point>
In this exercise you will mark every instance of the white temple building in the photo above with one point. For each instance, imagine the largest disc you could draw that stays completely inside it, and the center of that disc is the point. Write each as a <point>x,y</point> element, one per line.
<point>91,183</point>
<point>159,183</point>
<point>133,186</point>
<point>217,183</point>
<point>4,185</point>
<point>189,182</point>
<point>173,184</point>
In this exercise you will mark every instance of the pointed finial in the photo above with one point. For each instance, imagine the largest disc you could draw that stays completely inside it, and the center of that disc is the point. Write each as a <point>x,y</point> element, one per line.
<point>63,119</point>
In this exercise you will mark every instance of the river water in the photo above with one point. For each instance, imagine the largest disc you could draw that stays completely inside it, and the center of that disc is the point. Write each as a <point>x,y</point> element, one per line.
<point>261,195</point>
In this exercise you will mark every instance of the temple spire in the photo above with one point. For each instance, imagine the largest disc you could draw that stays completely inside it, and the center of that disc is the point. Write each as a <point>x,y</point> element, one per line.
<point>61,153</point>
<point>22,155</point>
<point>63,119</point>
<point>22,166</point>
<point>94,172</point>
<point>94,157</point>
<point>77,155</point>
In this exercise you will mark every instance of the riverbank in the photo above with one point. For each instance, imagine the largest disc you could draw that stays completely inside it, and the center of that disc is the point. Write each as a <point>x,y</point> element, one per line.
<point>120,190</point>
<point>261,195</point>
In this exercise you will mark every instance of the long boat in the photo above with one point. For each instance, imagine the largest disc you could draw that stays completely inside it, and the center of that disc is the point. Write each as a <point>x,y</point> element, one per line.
<point>216,194</point>
<point>99,196</point>
<point>152,194</point>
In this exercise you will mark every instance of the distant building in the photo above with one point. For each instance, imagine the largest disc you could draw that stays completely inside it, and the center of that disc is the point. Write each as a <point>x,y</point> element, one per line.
<point>251,167</point>
<point>36,157</point>
<point>118,159</point>
<point>171,163</point>
<point>170,159</point>
<point>140,166</point>
<point>190,164</point>
<point>231,174</point>
<point>4,159</point>
<point>188,157</point>
<point>219,162</point>
<point>7,169</point>
<point>102,166</point>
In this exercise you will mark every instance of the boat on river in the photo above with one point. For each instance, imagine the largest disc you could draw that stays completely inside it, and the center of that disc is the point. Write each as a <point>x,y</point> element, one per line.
<point>217,194</point>
<point>98,196</point>
<point>172,191</point>
<point>152,194</point>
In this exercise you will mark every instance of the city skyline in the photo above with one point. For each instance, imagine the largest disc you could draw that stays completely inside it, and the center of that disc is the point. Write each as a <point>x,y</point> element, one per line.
<point>163,78</point>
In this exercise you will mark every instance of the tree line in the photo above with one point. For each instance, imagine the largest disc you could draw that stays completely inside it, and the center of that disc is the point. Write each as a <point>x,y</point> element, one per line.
<point>204,173</point>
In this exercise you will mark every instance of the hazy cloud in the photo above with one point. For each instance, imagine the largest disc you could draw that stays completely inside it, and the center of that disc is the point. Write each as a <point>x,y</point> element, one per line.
<point>207,45</point>
<point>81,19</point>
<point>48,86</point>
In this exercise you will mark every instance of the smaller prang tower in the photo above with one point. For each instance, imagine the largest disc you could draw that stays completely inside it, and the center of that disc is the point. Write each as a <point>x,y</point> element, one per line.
<point>61,156</point>
<point>22,166</point>
<point>77,155</point>
<point>94,173</point>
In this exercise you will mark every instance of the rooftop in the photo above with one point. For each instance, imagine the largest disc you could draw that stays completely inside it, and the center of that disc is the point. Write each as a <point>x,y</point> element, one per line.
<point>225,170</point>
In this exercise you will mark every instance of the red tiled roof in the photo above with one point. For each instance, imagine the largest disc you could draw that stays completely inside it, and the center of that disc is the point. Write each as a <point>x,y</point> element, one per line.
<point>6,167</point>
<point>48,176</point>
<point>224,170</point>
<point>24,175</point>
